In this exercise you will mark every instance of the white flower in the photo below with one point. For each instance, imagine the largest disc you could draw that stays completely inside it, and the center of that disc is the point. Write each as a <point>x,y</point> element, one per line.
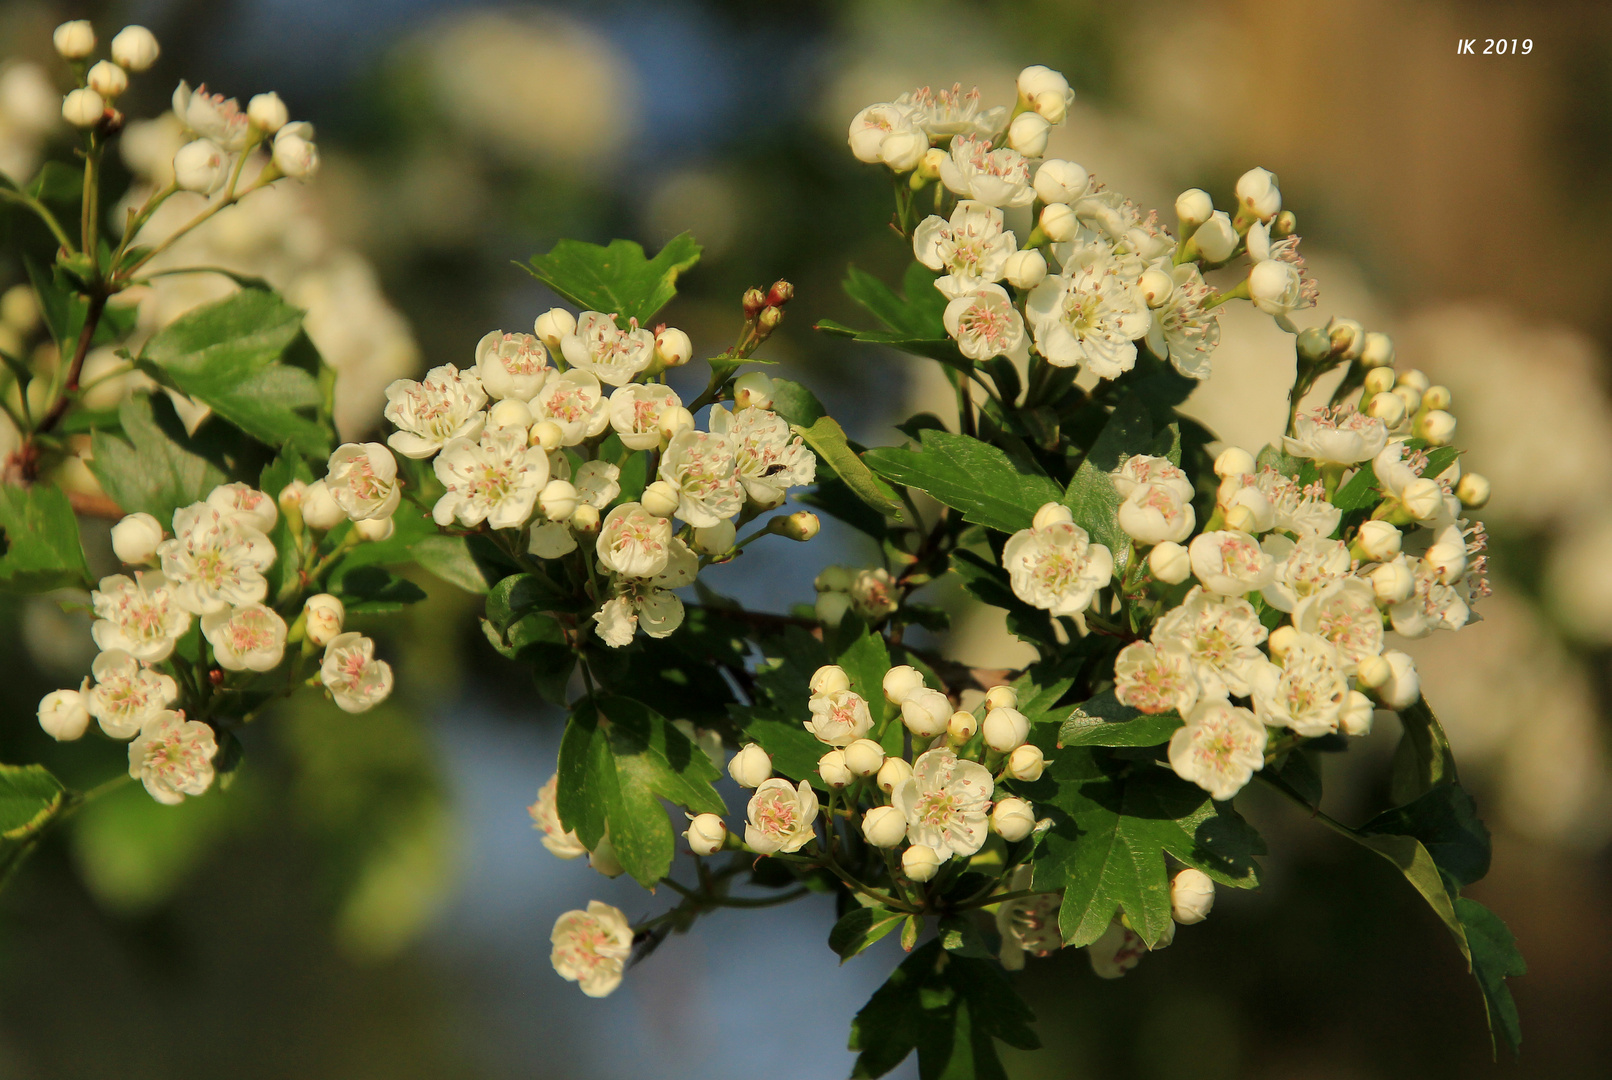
<point>1432,604</point>
<point>1222,634</point>
<point>1140,470</point>
<point>647,602</point>
<point>1302,568</point>
<point>1278,283</point>
<point>613,354</point>
<point>985,324</point>
<point>946,803</point>
<point>840,718</point>
<point>998,177</point>
<point>768,457</point>
<point>876,123</point>
<point>1170,563</point>
<point>554,326</point>
<point>781,817</point>
<point>1393,676</point>
<point>1307,692</point>
<point>1046,91</point>
<point>173,757</point>
<point>248,638</point>
<point>551,541</point>
<point>211,116</point>
<point>126,695</point>
<point>597,483</point>
<point>706,834</point>
<point>511,365</point>
<point>1028,925</point>
<point>200,166</point>
<point>1056,567</point>
<point>139,616</point>
<point>1340,436</point>
<point>636,410</point>
<point>212,562</point>
<point>702,466</point>
<point>1091,314</point>
<point>1345,614</point>
<point>319,510</point>
<point>591,947</point>
<point>1192,894</point>
<point>972,247</point>
<point>1154,513</point>
<point>1304,511</point>
<point>267,112</point>
<point>1118,950</point>
<point>871,596</point>
<point>62,713</point>
<point>356,680</point>
<point>496,479</point>
<point>1230,562</point>
<point>1258,195</point>
<point>446,404</point>
<point>546,816</point>
<point>634,542</point>
<point>135,539</point>
<point>1219,749</point>
<point>1156,678</point>
<point>945,113</point>
<point>247,505</point>
<point>1182,330</point>
<point>294,151</point>
<point>574,402</point>
<point>362,478</point>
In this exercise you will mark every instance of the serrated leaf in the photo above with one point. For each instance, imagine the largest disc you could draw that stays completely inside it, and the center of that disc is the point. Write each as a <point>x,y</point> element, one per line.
<point>1104,721</point>
<point>1446,822</point>
<point>618,279</point>
<point>828,442</point>
<point>42,549</point>
<point>1091,497</point>
<point>370,590</point>
<point>970,476</point>
<point>1494,957</point>
<point>1424,759</point>
<point>960,935</point>
<point>30,799</point>
<point>451,559</point>
<point>795,403</point>
<point>159,469</point>
<point>861,927</point>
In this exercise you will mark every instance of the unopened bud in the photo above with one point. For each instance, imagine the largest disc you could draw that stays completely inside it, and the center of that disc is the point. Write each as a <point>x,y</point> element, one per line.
<point>1437,426</point>
<point>830,679</point>
<point>585,519</point>
<point>1234,461</point>
<point>374,530</point>
<point>781,293</point>
<point>769,319</point>
<point>900,682</point>
<point>1052,105</point>
<point>1058,181</point>
<point>893,773</point>
<point>1378,351</point>
<point>1313,345</point>
<point>1026,763</point>
<point>1156,287</point>
<point>554,326</point>
<point>675,421</point>
<point>752,390</point>
<point>319,507</point>
<point>832,607</point>
<point>1284,225</point>
<point>832,768</point>
<point>802,525</point>
<point>547,434</point>
<point>919,862</point>
<point>201,166</point>
<point>903,151</point>
<point>1192,894</point>
<point>1001,696</point>
<point>1169,563</point>
<point>1389,408</point>
<point>135,48</point>
<point>291,496</point>
<point>1393,582</point>
<point>1051,514</point>
<point>267,113</point>
<point>1025,269</point>
<point>884,827</point>
<point>1422,498</point>
<point>864,757</point>
<point>558,500</point>
<point>510,413</point>
<point>1415,379</point>
<point>1473,490</point>
<point>135,539</point>
<point>1348,338</point>
<point>754,301</point>
<point>1403,686</point>
<point>1411,396</point>
<point>1216,238</point>
<point>1373,671</point>
<point>1379,381</point>
<point>74,40</point>
<point>1028,134</point>
<point>716,539</point>
<point>961,727</point>
<point>63,714</point>
<point>324,616</point>
<point>1280,641</point>
<point>83,108</point>
<point>107,79</point>
<point>660,499</point>
<point>1242,519</point>
<point>1012,819</point>
<point>1258,195</point>
<point>603,859</point>
<point>1005,730</point>
<point>750,767</point>
<point>926,713</point>
<point>673,347</point>
<point>929,167</point>
<point>706,834</point>
<point>1193,207</point>
<point>1377,541</point>
<point>1356,715</point>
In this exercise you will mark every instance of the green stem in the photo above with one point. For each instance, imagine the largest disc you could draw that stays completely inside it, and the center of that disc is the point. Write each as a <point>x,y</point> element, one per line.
<point>43,213</point>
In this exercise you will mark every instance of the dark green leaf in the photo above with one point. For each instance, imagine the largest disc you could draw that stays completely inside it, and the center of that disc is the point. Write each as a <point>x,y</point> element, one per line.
<point>861,927</point>
<point>1445,820</point>
<point>451,559</point>
<point>617,280</point>
<point>518,594</point>
<point>159,469</point>
<point>917,315</point>
<point>1092,499</point>
<point>42,550</point>
<point>973,477</point>
<point>1423,760</point>
<point>30,799</point>
<point>827,440</point>
<point>835,498</point>
<point>1494,958</point>
<point>369,590</point>
<point>1103,721</point>
<point>960,934</point>
<point>795,403</point>
<point>943,349</point>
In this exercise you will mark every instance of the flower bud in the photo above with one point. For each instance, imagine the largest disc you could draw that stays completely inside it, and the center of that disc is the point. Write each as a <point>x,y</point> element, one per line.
<point>291,497</point>
<point>674,422</point>
<point>1402,688</point>
<point>750,766</point>
<point>323,616</point>
<point>1169,563</point>
<point>884,827</point>
<point>1241,519</point>
<point>201,166</point>
<point>754,301</point>
<point>1437,426</point>
<point>1026,763</point>
<point>1379,381</point>
<point>1215,239</point>
<point>1281,640</point>
<point>659,498</point>
<point>1193,207</point>
<point>558,500</point>
<point>1001,696</point>
<point>1378,351</point>
<point>1389,408</point>
<point>1058,220</point>
<point>752,390</point>
<point>603,859</point>
<point>864,757</point>
<point>706,834</point>
<point>830,679</point>
<point>900,682</point>
<point>1038,80</point>
<point>1348,337</point>
<point>961,727</point>
<point>135,48</point>
<point>319,508</point>
<point>1473,490</point>
<point>1393,582</point>
<point>1028,134</point>
<point>1005,730</point>
<point>135,539</point>
<point>1355,717</point>
<point>510,412</point>
<point>1422,498</point>
<point>374,530</point>
<point>1234,461</point>
<point>919,862</point>
<point>673,348</point>
<point>1192,894</point>
<point>1258,194</point>
<point>1156,287</point>
<point>1059,181</point>
<point>1051,514</point>
<point>802,525</point>
<point>554,326</point>
<point>1012,819</point>
<point>781,293</point>
<point>83,108</point>
<point>585,519</point>
<point>1416,380</point>
<point>1437,397</point>
<point>547,434</point>
<point>929,167</point>
<point>831,607</point>
<point>1411,396</point>
<point>267,112</point>
<point>1373,671</point>
<point>893,773</point>
<point>107,79</point>
<point>1378,541</point>
<point>74,40</point>
<point>295,155</point>
<point>903,150</point>
<point>926,713</point>
<point>716,539</point>
<point>1284,225</point>
<point>63,715</point>
<point>1447,555</point>
<point>832,768</point>
<point>1025,269</point>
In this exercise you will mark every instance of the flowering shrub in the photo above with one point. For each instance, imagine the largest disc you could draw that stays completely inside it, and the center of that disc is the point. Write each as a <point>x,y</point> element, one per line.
<point>1202,621</point>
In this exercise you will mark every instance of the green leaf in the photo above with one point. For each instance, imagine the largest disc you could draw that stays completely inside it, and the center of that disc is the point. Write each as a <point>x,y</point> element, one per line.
<point>861,927</point>
<point>1446,822</point>
<point>827,440</point>
<point>1494,958</point>
<point>795,403</point>
<point>451,559</point>
<point>1112,828</point>
<point>1103,721</point>
<point>970,476</point>
<point>617,280</point>
<point>1413,860</point>
<point>370,590</point>
<point>42,550</point>
<point>618,759</point>
<point>158,470</point>
<point>1424,759</point>
<point>228,355</point>
<point>1092,499</point>
<point>518,594</point>
<point>776,721</point>
<point>960,935</point>
<point>943,349</point>
<point>917,315</point>
<point>30,799</point>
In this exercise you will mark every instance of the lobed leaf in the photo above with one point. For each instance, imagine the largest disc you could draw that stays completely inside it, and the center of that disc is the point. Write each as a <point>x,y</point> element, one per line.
<point>1104,721</point>
<point>42,550</point>
<point>617,280</point>
<point>975,478</point>
<point>159,468</point>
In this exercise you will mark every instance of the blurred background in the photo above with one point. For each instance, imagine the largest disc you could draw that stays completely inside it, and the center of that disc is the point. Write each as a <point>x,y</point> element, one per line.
<point>369,900</point>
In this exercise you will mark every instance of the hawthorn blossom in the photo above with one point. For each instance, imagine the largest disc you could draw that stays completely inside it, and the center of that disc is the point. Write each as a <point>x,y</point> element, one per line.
<point>213,562</point>
<point>1307,692</point>
<point>946,803</point>
<point>636,410</point>
<point>1230,562</point>
<point>1140,470</point>
<point>972,248</point>
<point>769,458</point>
<point>447,404</point>
<point>702,466</point>
<point>597,483</point>
<point>247,638</point>
<point>211,116</point>
<point>1221,634</point>
<point>1302,568</point>
<point>781,817</point>
<point>1401,479</point>
<point>871,596</point>
<point>839,718</point>
<point>591,947</point>
<point>246,504</point>
<point>1156,678</point>
<point>511,365</point>
<point>551,540</point>
<point>1303,511</point>
<point>1341,436</point>
<point>1278,283</point>
<point>1344,614</point>
<point>998,177</point>
<point>1117,951</point>
<point>1053,565</point>
<point>634,542</point>
<point>1028,925</point>
<point>1432,605</point>
<point>140,616</point>
<point>1182,329</point>
<point>941,114</point>
<point>985,323</point>
<point>126,695</point>
<point>63,714</point>
<point>546,817</point>
<point>495,479</point>
<point>363,481</point>
<point>356,680</point>
<point>647,602</point>
<point>1219,749</point>
<point>173,757</point>
<point>874,124</point>
<point>1091,315</point>
<point>574,401</point>
<point>1155,513</point>
<point>613,354</point>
